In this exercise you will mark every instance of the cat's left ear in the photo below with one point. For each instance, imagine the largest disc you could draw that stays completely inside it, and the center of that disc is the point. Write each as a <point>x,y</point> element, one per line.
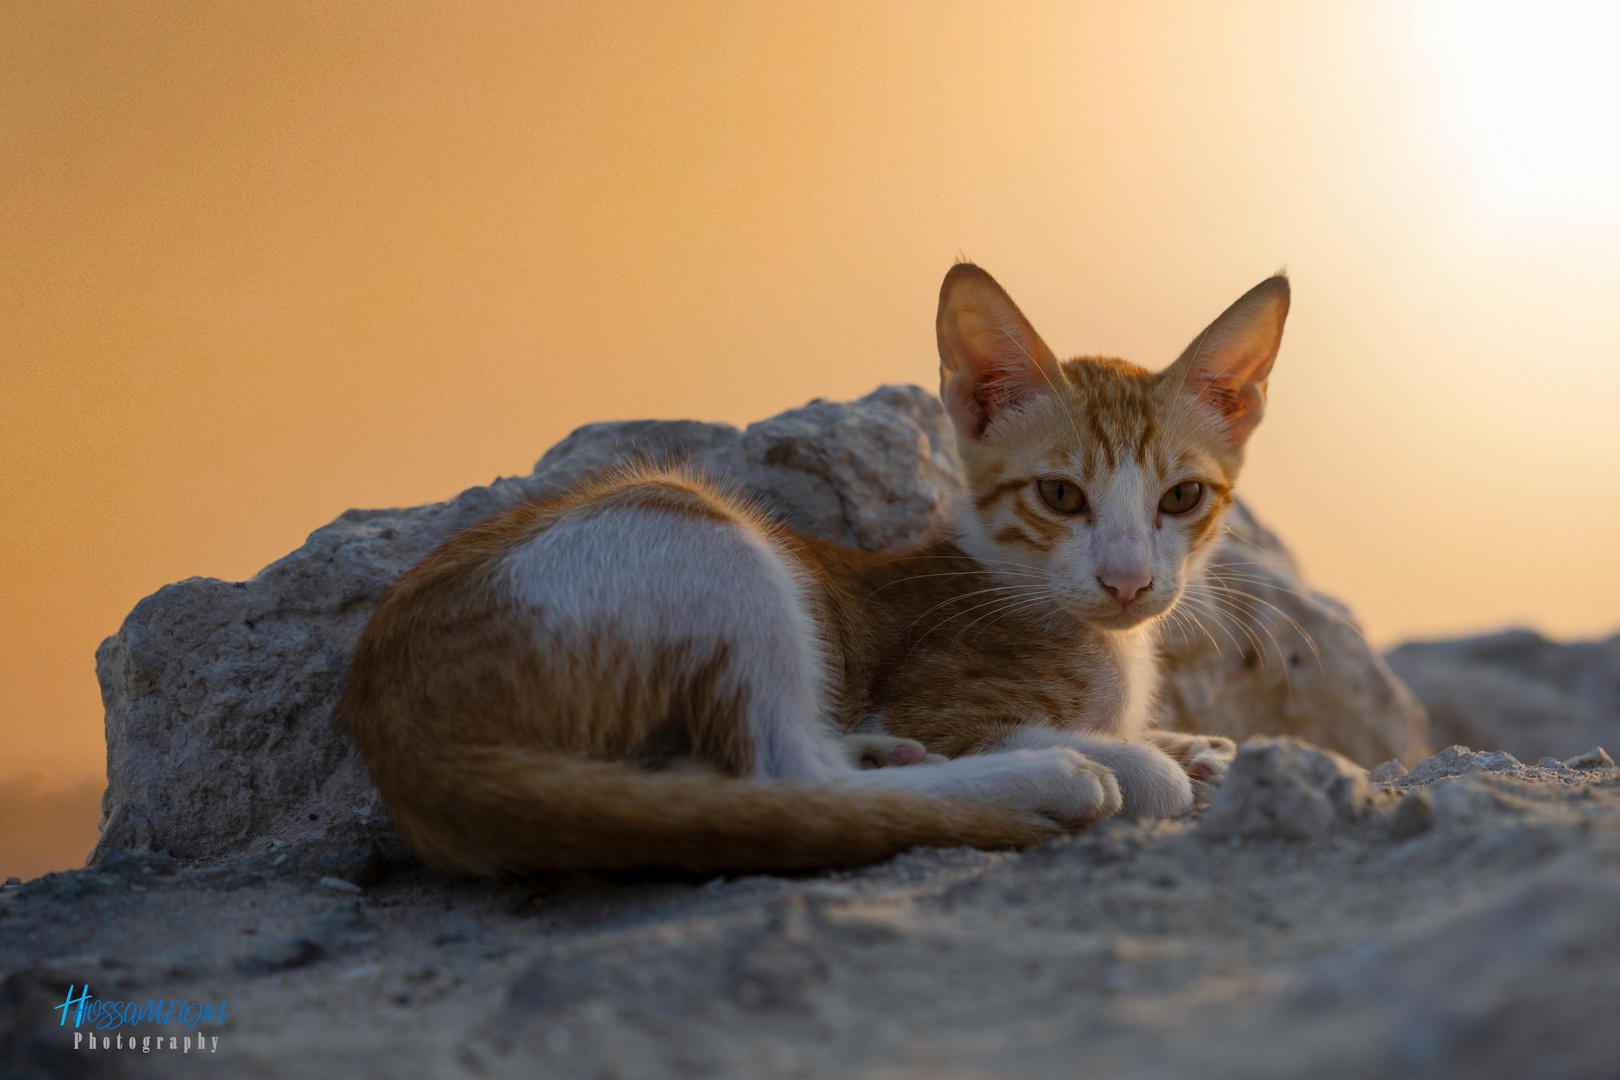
<point>990,357</point>
<point>1226,366</point>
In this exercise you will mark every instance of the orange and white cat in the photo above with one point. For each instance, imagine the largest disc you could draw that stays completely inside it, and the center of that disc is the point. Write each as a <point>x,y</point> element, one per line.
<point>648,671</point>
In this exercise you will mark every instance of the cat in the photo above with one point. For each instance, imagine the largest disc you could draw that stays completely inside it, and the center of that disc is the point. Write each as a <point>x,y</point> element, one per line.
<point>649,671</point>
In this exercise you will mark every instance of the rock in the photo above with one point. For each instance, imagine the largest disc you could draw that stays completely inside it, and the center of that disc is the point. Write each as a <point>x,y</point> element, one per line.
<point>1518,691</point>
<point>1386,772</point>
<point>1260,653</point>
<point>1595,758</point>
<point>219,695</point>
<point>1285,787</point>
<point>1456,761</point>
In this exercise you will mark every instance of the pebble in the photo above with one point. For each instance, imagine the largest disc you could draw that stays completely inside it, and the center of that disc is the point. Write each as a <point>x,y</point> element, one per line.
<point>1595,758</point>
<point>1384,773</point>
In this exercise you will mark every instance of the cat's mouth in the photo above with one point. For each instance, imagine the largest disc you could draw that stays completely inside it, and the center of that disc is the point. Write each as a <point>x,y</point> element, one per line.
<point>1107,612</point>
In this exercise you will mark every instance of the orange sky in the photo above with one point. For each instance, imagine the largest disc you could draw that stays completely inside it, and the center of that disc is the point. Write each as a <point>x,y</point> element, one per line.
<point>261,262</point>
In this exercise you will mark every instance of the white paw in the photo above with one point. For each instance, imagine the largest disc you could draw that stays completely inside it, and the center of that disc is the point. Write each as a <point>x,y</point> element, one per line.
<point>1055,782</point>
<point>1151,782</point>
<point>1072,789</point>
<point>885,751</point>
<point>1207,771</point>
<point>1205,759</point>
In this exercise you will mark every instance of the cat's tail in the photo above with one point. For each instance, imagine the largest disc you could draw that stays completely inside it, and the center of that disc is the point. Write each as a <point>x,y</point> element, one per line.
<point>495,812</point>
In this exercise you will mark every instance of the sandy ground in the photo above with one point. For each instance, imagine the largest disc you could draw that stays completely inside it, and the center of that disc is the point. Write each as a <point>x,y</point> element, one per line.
<point>1465,927</point>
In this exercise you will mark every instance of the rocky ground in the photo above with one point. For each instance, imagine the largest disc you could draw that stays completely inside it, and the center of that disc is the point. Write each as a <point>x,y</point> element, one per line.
<point>1461,919</point>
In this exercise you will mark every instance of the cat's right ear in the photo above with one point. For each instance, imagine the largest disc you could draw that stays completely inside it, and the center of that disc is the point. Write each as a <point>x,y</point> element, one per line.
<point>1226,367</point>
<point>990,357</point>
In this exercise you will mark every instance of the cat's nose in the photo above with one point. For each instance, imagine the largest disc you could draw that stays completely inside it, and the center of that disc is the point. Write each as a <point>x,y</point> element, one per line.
<point>1125,586</point>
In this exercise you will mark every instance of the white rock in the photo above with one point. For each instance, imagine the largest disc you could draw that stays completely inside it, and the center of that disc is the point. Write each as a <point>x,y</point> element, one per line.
<point>1287,788</point>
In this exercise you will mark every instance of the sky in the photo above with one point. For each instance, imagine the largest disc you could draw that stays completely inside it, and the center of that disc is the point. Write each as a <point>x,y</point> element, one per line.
<point>263,262</point>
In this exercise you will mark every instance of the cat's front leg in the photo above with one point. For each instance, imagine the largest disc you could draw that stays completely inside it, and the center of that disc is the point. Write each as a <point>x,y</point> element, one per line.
<point>1055,782</point>
<point>1206,759</point>
<point>1151,782</point>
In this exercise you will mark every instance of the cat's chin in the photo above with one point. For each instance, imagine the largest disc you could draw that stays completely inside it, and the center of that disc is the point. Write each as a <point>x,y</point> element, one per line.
<point>1117,620</point>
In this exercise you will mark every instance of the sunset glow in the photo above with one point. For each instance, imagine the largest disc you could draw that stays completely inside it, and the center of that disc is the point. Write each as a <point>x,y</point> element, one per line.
<point>1528,94</point>
<point>264,262</point>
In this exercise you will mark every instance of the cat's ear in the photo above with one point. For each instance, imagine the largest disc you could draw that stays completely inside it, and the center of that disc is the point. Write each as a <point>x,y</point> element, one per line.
<point>990,358</point>
<point>1226,367</point>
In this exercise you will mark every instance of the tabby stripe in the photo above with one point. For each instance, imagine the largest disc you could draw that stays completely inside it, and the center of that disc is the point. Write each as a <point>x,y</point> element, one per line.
<point>1102,438</point>
<point>1000,491</point>
<point>1204,528</point>
<point>1149,429</point>
<point>1012,534</point>
<point>1049,530</point>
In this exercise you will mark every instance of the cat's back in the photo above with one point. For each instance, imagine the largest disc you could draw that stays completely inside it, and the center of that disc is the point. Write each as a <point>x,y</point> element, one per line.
<point>620,619</point>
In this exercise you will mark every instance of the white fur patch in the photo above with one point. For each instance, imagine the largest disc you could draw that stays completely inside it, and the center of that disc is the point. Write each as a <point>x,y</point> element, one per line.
<point>650,578</point>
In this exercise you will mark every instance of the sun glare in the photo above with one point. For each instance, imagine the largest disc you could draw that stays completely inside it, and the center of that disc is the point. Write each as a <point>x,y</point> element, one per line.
<point>1528,94</point>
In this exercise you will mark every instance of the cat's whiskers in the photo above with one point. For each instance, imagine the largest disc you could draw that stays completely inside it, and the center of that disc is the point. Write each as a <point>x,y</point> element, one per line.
<point>1219,570</point>
<point>1010,604</point>
<point>948,573</point>
<point>1310,642</point>
<point>981,565</point>
<point>1218,605</point>
<point>1035,589</point>
<point>1252,623</point>
<point>1010,607</point>
<point>1250,619</point>
<point>1034,592</point>
<point>1034,603</point>
<point>1195,601</point>
<point>1182,617</point>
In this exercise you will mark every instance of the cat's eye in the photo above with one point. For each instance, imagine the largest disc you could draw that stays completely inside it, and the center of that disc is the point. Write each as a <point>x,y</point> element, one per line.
<point>1064,496</point>
<point>1181,498</point>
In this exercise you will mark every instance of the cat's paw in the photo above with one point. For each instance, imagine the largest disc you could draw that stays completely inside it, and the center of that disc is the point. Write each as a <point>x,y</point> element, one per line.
<point>1062,784</point>
<point>1152,783</point>
<point>1055,782</point>
<point>1205,758</point>
<point>885,751</point>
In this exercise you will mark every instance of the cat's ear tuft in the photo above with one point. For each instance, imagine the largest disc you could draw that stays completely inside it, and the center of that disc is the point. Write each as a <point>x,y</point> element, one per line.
<point>990,357</point>
<point>1226,366</point>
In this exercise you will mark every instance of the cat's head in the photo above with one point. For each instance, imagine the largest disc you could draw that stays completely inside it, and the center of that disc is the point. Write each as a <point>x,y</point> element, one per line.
<point>1105,481</point>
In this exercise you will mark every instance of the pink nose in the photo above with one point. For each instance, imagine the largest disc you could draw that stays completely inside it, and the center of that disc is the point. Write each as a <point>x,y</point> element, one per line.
<point>1125,587</point>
